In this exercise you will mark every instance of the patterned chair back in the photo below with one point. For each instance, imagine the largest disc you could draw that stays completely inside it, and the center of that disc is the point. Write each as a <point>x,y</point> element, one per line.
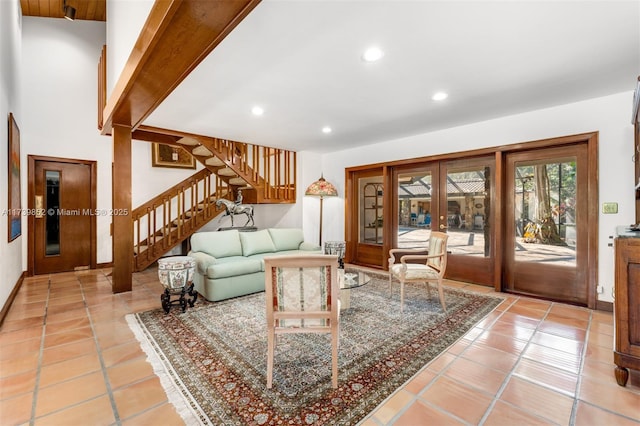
<point>438,246</point>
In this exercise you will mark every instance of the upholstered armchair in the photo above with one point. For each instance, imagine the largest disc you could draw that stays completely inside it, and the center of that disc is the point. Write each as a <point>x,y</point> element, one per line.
<point>431,267</point>
<point>302,297</point>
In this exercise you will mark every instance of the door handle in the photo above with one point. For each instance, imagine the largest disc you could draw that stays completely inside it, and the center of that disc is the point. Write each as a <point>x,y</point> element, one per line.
<point>443,227</point>
<point>39,207</point>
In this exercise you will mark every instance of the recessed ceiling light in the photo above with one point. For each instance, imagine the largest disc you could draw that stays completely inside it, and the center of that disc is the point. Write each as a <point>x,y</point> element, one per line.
<point>326,129</point>
<point>372,54</point>
<point>439,96</point>
<point>256,110</point>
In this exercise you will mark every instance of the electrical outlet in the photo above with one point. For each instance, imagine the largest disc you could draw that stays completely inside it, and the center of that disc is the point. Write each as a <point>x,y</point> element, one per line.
<point>609,208</point>
<point>600,289</point>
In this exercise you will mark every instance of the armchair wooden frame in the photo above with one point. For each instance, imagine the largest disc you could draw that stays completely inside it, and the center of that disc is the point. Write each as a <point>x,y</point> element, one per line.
<point>280,316</point>
<point>432,270</point>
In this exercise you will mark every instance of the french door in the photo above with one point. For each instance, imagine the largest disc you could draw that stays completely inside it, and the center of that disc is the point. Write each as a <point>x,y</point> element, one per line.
<point>547,232</point>
<point>455,197</point>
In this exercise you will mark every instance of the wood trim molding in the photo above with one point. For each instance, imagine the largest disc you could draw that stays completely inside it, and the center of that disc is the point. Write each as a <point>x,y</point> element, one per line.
<point>604,306</point>
<point>11,298</point>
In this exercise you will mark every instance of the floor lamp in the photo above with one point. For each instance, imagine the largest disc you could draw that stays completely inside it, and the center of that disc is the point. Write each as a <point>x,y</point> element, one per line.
<point>321,188</point>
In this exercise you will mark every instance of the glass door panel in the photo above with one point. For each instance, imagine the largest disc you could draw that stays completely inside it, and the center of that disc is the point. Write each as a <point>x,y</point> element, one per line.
<point>467,208</point>
<point>466,214</point>
<point>414,208</point>
<point>371,214</point>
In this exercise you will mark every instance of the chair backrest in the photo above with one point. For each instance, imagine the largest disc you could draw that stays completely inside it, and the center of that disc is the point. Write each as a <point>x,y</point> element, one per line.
<point>438,246</point>
<point>301,291</point>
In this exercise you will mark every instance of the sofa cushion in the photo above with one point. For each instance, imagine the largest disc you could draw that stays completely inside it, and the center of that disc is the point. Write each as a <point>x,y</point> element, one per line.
<point>256,242</point>
<point>286,238</point>
<point>234,266</point>
<point>217,243</point>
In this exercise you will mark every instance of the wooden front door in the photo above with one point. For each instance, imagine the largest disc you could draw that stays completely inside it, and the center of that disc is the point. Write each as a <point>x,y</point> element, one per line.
<point>62,226</point>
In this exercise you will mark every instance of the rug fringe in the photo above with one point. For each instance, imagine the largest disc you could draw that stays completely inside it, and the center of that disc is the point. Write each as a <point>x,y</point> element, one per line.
<point>190,412</point>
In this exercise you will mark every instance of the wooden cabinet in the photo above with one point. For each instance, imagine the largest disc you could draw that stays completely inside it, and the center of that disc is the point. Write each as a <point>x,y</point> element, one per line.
<point>372,219</point>
<point>627,304</point>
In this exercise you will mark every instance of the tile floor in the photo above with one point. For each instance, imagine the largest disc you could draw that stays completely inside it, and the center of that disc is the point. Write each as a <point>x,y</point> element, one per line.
<point>67,357</point>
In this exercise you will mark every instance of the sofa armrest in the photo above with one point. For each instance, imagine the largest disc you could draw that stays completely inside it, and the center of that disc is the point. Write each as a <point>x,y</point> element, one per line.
<point>203,261</point>
<point>309,246</point>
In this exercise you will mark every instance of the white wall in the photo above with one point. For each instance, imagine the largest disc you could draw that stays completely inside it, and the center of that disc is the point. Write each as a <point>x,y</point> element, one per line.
<point>125,19</point>
<point>610,116</point>
<point>11,263</point>
<point>59,92</point>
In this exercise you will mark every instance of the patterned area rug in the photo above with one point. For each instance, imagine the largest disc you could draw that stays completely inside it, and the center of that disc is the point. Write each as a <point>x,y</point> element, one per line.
<point>212,359</point>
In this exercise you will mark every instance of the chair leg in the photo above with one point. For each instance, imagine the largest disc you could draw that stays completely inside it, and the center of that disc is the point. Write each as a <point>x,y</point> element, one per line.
<point>401,295</point>
<point>428,289</point>
<point>334,360</point>
<point>270,353</point>
<point>441,295</point>
<point>390,286</point>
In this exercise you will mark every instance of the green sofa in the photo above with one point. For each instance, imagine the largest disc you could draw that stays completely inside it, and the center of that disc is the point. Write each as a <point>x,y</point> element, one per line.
<point>230,263</point>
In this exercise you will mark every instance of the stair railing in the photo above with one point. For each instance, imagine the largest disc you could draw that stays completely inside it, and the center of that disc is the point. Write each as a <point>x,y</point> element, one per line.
<point>172,216</point>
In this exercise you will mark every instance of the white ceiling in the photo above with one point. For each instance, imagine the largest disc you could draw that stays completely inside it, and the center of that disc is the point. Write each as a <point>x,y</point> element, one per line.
<point>301,61</point>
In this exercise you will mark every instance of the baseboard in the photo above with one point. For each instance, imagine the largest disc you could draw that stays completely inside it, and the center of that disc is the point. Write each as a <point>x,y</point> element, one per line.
<point>604,306</point>
<point>104,265</point>
<point>11,298</point>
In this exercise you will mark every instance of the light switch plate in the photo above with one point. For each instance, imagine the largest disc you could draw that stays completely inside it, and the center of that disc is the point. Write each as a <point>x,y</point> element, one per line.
<point>609,208</point>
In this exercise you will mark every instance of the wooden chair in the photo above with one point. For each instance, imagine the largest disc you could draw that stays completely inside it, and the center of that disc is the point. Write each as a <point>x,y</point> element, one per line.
<point>302,297</point>
<point>432,270</point>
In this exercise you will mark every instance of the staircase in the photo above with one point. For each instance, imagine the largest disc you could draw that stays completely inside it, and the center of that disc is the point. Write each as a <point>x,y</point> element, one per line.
<point>265,175</point>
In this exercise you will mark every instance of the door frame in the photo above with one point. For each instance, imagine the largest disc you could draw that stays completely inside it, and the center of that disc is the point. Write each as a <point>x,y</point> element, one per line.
<point>32,159</point>
<point>591,141</point>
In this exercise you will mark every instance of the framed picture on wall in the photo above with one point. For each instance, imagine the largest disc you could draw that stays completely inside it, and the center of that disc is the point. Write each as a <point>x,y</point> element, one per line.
<point>15,206</point>
<point>171,156</point>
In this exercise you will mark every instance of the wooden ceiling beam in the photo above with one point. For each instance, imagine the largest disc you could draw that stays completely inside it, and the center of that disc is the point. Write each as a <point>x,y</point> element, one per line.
<point>176,37</point>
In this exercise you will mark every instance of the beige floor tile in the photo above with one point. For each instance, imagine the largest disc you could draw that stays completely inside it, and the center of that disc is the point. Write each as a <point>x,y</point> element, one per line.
<point>457,399</point>
<point>16,410</point>
<point>563,330</point>
<point>95,412</point>
<point>66,337</point>
<point>17,384</point>
<point>553,357</point>
<point>419,413</point>
<point>20,364</point>
<point>538,400</point>
<point>476,375</point>
<point>25,347</point>
<point>547,376</point>
<point>69,351</point>
<point>66,325</point>
<point>507,415</point>
<point>560,343</point>
<point>69,369</point>
<point>393,406</point>
<point>491,358</point>
<point>501,342</point>
<point>611,397</point>
<point>587,414</point>
<point>126,373</point>
<point>122,353</point>
<point>604,340</point>
<point>420,381</point>
<point>139,397</point>
<point>58,396</point>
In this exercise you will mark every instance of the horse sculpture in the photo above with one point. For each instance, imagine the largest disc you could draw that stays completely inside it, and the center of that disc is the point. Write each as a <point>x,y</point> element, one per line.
<point>232,209</point>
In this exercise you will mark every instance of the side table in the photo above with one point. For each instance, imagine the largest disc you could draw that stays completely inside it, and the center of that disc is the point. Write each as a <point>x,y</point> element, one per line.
<point>176,275</point>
